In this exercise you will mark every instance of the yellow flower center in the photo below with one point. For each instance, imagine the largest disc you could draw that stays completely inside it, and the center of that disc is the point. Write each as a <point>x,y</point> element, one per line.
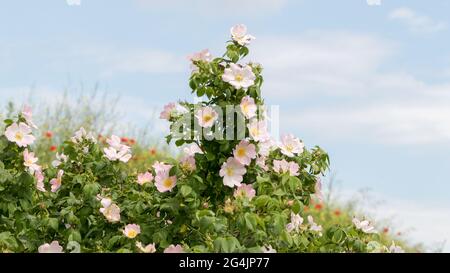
<point>167,183</point>
<point>132,234</point>
<point>241,152</point>
<point>289,148</point>
<point>19,136</point>
<point>230,172</point>
<point>207,118</point>
<point>238,78</point>
<point>245,108</point>
<point>254,131</point>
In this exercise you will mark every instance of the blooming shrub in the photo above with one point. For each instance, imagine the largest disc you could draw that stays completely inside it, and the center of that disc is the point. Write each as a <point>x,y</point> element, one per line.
<point>247,193</point>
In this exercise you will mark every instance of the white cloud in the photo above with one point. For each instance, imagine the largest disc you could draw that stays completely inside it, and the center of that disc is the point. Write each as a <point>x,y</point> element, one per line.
<point>386,123</point>
<point>319,61</point>
<point>368,102</point>
<point>416,22</point>
<point>216,8</point>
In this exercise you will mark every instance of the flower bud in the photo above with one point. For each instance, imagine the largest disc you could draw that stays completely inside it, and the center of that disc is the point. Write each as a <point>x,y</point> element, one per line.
<point>228,208</point>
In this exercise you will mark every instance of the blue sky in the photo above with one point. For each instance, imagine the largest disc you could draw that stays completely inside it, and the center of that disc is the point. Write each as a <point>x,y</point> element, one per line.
<point>369,83</point>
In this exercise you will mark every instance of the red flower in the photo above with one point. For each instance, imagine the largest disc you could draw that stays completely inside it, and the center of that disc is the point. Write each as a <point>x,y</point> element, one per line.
<point>124,140</point>
<point>385,230</point>
<point>318,206</point>
<point>132,141</point>
<point>48,134</point>
<point>53,148</point>
<point>337,212</point>
<point>153,151</point>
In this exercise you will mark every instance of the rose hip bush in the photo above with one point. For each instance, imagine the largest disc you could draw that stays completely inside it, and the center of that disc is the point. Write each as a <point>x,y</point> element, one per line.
<point>245,193</point>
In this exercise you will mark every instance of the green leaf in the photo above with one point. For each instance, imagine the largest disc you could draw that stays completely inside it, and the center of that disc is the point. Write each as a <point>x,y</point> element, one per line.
<point>171,205</point>
<point>180,142</point>
<point>209,92</point>
<point>285,178</point>
<point>7,240</point>
<point>262,179</point>
<point>53,223</point>
<point>359,246</point>
<point>74,235</point>
<point>91,189</point>
<point>192,84</point>
<point>3,144</point>
<point>225,146</point>
<point>204,212</point>
<point>113,241</point>
<point>5,175</point>
<point>294,183</point>
<point>279,192</point>
<point>244,51</point>
<point>210,156</point>
<point>201,92</point>
<point>160,238</point>
<point>286,237</point>
<point>206,222</point>
<point>262,201</point>
<point>124,250</point>
<point>168,139</point>
<point>338,236</point>
<point>185,190</point>
<point>226,245</point>
<point>250,221</point>
<point>297,207</point>
<point>8,122</point>
<point>25,204</point>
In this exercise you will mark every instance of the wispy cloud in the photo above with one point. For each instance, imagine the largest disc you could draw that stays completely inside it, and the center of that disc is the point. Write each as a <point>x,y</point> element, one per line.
<point>417,22</point>
<point>331,62</point>
<point>370,104</point>
<point>392,124</point>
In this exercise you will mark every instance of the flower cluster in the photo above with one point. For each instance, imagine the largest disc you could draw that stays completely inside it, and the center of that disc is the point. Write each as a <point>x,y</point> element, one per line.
<point>81,135</point>
<point>117,151</point>
<point>110,210</point>
<point>365,226</point>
